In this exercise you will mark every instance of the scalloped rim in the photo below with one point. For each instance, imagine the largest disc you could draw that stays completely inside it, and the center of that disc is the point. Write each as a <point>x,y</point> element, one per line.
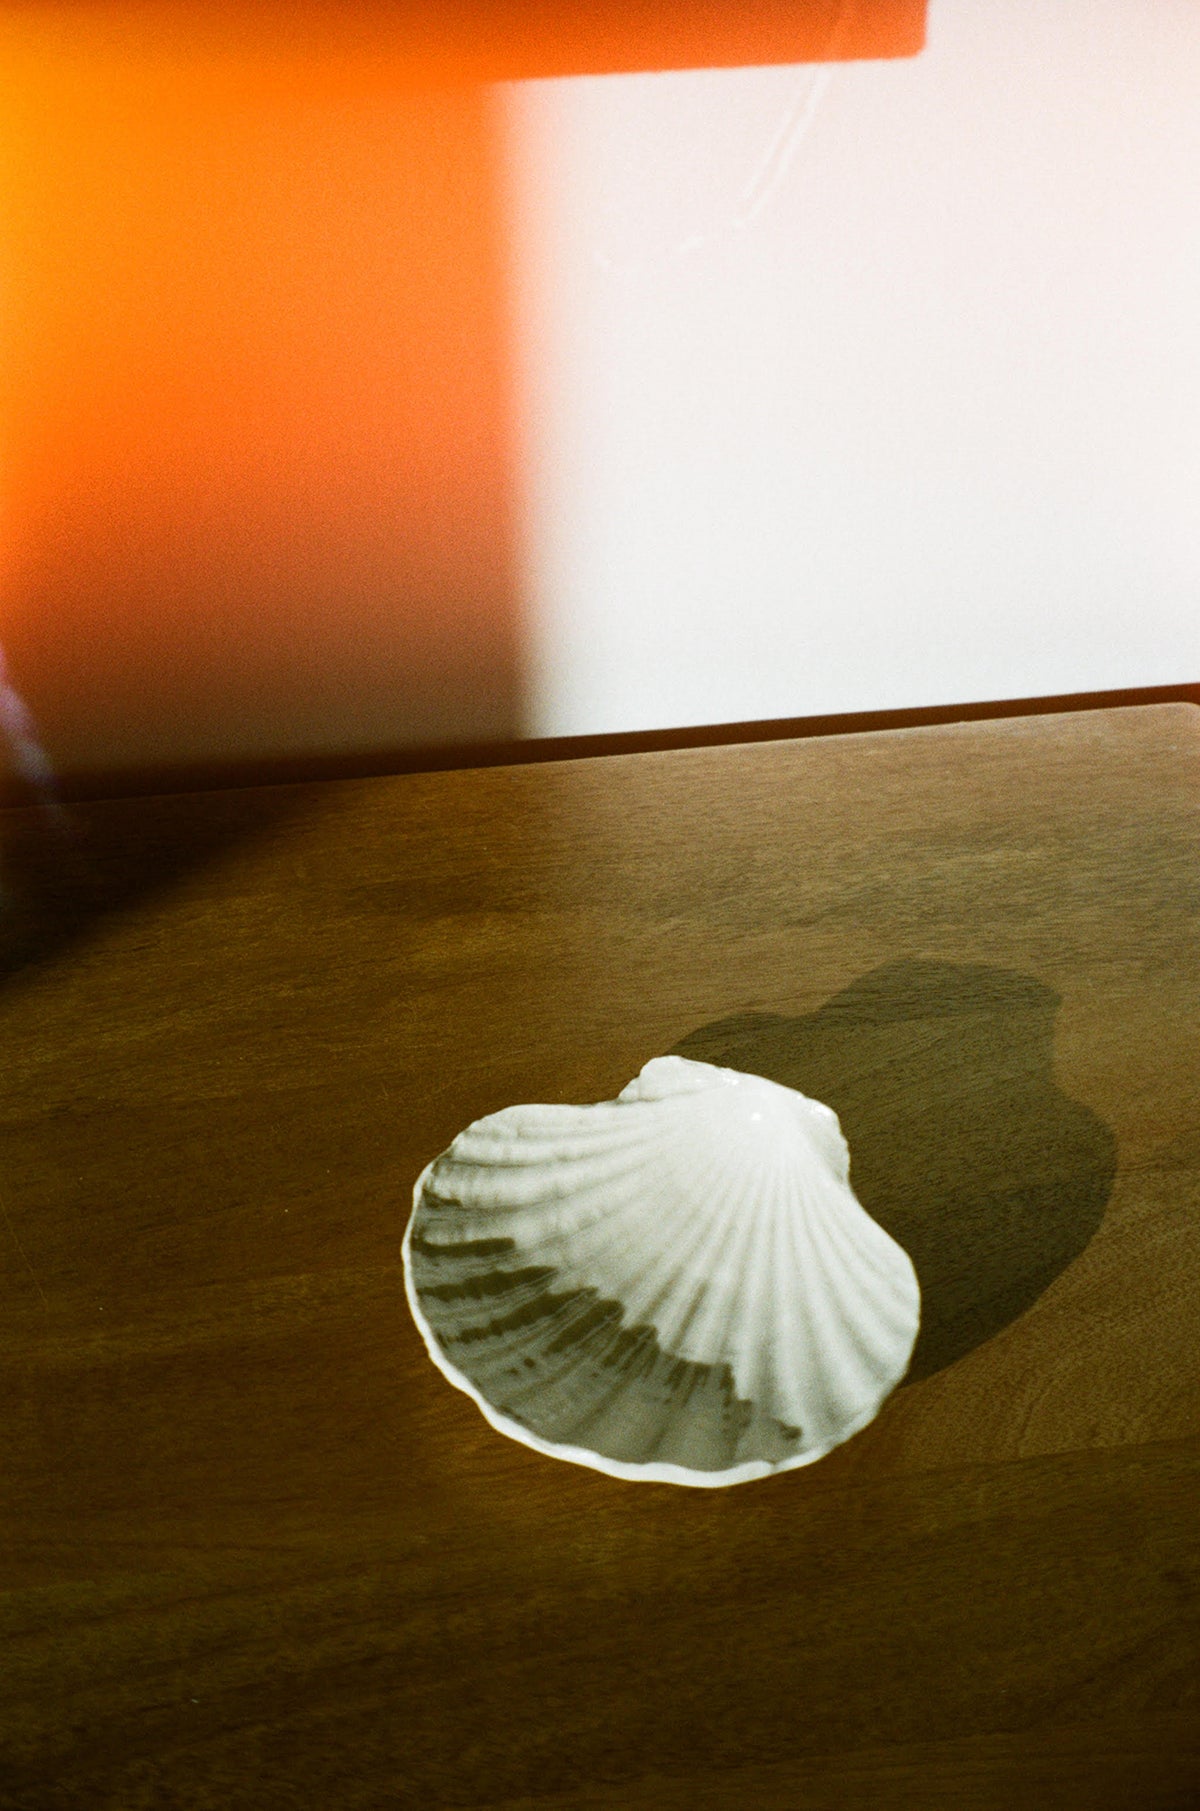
<point>581,1455</point>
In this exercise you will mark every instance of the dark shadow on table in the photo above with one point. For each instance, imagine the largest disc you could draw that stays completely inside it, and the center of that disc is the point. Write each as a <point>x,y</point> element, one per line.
<point>62,875</point>
<point>962,1145</point>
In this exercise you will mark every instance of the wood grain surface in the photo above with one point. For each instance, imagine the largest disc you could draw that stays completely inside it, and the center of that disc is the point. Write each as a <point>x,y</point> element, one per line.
<point>258,1554</point>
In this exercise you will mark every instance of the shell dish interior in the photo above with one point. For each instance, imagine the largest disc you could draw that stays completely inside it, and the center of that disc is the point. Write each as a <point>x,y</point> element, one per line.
<point>677,1285</point>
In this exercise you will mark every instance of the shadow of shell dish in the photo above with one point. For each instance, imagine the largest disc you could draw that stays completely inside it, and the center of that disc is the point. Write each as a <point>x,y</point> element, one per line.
<point>677,1285</point>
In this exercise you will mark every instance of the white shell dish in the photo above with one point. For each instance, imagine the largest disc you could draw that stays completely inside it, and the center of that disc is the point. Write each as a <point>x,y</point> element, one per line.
<point>677,1285</point>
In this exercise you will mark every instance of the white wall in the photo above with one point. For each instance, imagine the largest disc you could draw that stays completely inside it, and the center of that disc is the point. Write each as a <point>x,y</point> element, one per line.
<point>866,387</point>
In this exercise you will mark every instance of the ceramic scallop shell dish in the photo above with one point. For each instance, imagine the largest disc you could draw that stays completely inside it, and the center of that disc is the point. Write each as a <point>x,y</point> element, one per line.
<point>677,1285</point>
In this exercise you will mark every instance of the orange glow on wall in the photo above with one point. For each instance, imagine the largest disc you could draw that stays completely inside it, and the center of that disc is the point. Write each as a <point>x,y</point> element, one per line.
<point>254,405</point>
<point>484,40</point>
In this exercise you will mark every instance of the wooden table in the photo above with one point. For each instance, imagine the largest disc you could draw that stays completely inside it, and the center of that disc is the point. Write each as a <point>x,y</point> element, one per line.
<point>259,1554</point>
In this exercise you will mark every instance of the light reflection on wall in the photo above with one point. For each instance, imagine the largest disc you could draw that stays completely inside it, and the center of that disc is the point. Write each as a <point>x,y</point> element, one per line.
<point>864,389</point>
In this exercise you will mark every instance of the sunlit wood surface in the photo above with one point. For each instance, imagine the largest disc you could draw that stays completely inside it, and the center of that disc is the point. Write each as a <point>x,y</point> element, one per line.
<point>259,1554</point>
